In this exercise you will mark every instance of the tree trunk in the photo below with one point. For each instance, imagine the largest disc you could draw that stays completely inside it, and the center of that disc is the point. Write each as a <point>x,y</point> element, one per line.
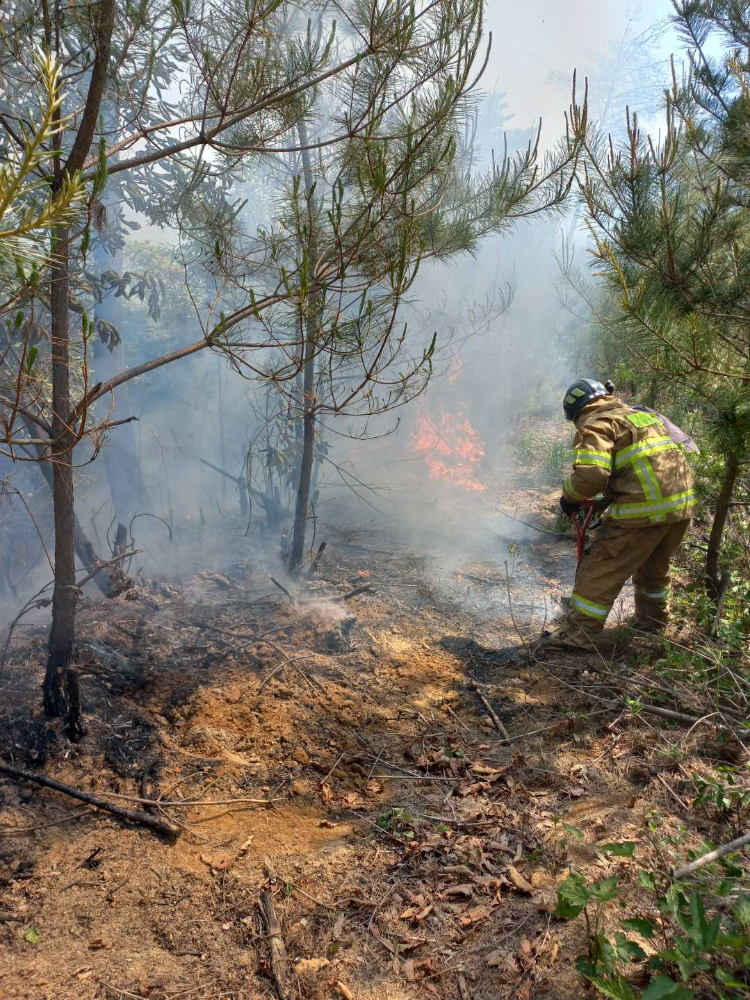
<point>308,384</point>
<point>714,578</point>
<point>57,682</point>
<point>306,465</point>
<point>83,547</point>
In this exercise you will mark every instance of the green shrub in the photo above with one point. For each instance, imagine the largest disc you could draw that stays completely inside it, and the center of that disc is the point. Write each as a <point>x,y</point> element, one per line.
<point>691,947</point>
<point>551,456</point>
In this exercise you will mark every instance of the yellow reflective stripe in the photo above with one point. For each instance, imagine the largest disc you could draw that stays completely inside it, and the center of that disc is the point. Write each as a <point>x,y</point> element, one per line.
<point>587,456</point>
<point>573,494</point>
<point>589,608</point>
<point>649,485</point>
<point>677,502</point>
<point>647,479</point>
<point>644,419</point>
<point>655,595</point>
<point>648,447</point>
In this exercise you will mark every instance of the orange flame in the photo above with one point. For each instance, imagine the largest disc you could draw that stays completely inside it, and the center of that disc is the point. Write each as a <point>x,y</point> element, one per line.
<point>451,449</point>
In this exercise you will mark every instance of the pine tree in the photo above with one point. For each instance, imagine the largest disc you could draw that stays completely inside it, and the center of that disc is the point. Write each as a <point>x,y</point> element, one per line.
<point>382,86</point>
<point>671,236</point>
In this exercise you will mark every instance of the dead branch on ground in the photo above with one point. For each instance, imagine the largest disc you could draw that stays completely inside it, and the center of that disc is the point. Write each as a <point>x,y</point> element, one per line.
<point>279,966</point>
<point>131,815</point>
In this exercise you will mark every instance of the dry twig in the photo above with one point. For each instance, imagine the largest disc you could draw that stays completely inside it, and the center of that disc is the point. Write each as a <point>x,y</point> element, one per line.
<point>706,859</point>
<point>491,712</point>
<point>279,966</point>
<point>131,815</point>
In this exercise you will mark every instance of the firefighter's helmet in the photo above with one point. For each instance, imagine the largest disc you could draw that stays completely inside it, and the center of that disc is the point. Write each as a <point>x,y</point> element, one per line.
<point>580,393</point>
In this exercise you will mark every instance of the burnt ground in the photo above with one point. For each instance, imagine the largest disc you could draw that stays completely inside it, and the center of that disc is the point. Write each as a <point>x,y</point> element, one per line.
<point>408,848</point>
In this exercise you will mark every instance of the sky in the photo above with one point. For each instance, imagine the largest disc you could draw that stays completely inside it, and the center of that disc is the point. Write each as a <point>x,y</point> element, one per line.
<point>533,37</point>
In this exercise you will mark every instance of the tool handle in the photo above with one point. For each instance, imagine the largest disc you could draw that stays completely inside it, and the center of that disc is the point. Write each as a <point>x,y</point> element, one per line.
<point>581,527</point>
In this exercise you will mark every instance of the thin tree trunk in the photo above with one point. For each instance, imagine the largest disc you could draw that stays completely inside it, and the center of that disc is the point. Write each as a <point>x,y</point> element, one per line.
<point>60,686</point>
<point>83,546</point>
<point>306,465</point>
<point>56,686</point>
<point>308,383</point>
<point>723,501</point>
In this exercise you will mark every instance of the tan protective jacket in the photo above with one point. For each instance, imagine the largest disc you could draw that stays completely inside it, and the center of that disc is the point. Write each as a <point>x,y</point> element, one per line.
<point>628,456</point>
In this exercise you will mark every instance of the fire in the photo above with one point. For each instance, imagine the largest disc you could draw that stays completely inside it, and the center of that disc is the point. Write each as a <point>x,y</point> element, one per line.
<point>451,448</point>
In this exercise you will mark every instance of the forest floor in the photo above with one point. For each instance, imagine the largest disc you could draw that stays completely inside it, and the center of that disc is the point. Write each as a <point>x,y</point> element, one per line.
<point>409,849</point>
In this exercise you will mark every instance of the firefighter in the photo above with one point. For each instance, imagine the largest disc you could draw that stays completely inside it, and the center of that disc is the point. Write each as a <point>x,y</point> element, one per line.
<point>628,456</point>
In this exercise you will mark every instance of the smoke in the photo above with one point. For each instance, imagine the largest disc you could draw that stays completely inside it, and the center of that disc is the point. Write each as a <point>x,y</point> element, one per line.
<point>442,472</point>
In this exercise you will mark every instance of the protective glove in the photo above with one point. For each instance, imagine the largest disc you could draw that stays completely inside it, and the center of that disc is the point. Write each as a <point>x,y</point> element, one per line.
<point>569,507</point>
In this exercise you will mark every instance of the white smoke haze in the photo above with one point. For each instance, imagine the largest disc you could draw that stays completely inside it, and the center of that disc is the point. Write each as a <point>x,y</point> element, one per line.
<point>436,472</point>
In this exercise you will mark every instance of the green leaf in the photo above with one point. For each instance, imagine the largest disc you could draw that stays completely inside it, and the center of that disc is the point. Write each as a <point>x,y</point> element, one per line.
<point>646,880</point>
<point>565,910</point>
<point>606,890</point>
<point>663,986</point>
<point>706,932</point>
<point>585,966</point>
<point>32,935</point>
<point>742,910</point>
<point>615,987</point>
<point>642,925</point>
<point>573,831</point>
<point>681,957</point>
<point>628,950</point>
<point>605,956</point>
<point>572,897</point>
<point>625,849</point>
<point>728,979</point>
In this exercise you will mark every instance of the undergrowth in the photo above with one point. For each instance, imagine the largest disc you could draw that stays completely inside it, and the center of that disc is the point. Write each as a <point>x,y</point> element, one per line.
<point>550,455</point>
<point>649,935</point>
<point>684,941</point>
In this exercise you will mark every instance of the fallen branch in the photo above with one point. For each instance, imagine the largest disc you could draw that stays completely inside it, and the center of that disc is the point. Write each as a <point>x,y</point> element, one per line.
<point>194,802</point>
<point>131,815</point>
<point>286,663</point>
<point>668,713</point>
<point>706,859</point>
<point>672,792</point>
<point>106,565</point>
<point>275,944</point>
<point>492,713</point>
<point>629,684</point>
<point>222,472</point>
<point>283,589</point>
<point>6,917</point>
<point>353,593</point>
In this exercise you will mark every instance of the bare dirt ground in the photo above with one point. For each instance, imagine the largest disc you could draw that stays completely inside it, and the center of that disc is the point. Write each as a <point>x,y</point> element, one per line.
<point>409,849</point>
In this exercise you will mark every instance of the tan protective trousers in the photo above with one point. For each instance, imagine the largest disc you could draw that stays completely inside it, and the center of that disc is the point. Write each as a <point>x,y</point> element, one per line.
<point>616,554</point>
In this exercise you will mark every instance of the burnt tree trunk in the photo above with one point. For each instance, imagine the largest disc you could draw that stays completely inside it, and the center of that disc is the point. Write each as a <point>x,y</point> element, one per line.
<point>714,578</point>
<point>62,634</point>
<point>297,547</point>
